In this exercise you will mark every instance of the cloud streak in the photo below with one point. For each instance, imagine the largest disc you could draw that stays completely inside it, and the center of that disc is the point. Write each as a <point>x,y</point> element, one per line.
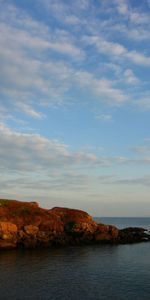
<point>44,65</point>
<point>33,152</point>
<point>117,50</point>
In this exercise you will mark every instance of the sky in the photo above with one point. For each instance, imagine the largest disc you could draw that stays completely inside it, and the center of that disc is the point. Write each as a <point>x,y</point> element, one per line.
<point>75,104</point>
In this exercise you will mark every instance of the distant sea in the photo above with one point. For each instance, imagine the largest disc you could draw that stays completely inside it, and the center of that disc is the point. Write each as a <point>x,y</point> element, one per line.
<point>122,222</point>
<point>98,272</point>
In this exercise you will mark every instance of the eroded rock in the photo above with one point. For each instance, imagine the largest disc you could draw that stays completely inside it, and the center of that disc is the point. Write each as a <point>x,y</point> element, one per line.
<point>26,224</point>
<point>106,233</point>
<point>8,235</point>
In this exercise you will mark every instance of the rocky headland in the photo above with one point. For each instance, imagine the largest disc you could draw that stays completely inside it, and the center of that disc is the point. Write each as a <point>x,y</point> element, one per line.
<point>25,224</point>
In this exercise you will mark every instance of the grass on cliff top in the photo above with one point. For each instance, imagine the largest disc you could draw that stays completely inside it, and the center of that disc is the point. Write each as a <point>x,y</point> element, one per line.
<point>4,202</point>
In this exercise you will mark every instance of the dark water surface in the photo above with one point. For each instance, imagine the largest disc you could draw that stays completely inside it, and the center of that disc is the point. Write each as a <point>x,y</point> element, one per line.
<point>86,273</point>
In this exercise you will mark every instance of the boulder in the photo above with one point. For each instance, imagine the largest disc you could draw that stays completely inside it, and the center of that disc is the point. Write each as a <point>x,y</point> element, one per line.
<point>133,235</point>
<point>106,233</point>
<point>31,230</point>
<point>8,235</point>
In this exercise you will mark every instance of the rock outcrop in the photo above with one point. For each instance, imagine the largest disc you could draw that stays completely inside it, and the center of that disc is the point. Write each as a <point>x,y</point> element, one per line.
<point>25,224</point>
<point>8,235</point>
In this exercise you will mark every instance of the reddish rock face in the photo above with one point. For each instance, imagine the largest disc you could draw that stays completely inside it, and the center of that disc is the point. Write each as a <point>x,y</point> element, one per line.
<point>8,235</point>
<point>31,230</point>
<point>106,233</point>
<point>8,227</point>
<point>22,213</point>
<point>26,224</point>
<point>71,215</point>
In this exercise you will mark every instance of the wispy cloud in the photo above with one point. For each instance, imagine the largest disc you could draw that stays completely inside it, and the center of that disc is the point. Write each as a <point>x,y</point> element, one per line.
<point>43,64</point>
<point>104,117</point>
<point>78,72</point>
<point>101,87</point>
<point>143,150</point>
<point>122,7</point>
<point>31,152</point>
<point>27,62</point>
<point>34,165</point>
<point>117,50</point>
<point>35,152</point>
<point>144,181</point>
<point>133,15</point>
<point>29,79</point>
<point>129,77</point>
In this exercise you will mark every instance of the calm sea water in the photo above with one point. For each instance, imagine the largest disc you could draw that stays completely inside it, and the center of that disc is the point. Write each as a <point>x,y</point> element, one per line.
<point>126,222</point>
<point>79,273</point>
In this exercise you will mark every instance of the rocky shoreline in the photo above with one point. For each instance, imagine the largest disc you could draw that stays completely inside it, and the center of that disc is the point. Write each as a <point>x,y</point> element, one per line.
<point>25,224</point>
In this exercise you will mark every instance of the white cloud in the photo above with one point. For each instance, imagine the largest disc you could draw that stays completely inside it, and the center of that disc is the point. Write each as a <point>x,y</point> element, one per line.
<point>30,111</point>
<point>133,33</point>
<point>145,181</point>
<point>105,46</point>
<point>42,67</point>
<point>139,17</point>
<point>137,34</point>
<point>134,14</point>
<point>122,7</point>
<point>72,20</point>
<point>18,38</point>
<point>101,87</point>
<point>138,58</point>
<point>28,151</point>
<point>23,152</point>
<point>117,50</point>
<point>28,79</point>
<point>33,165</point>
<point>130,77</point>
<point>31,152</point>
<point>65,12</point>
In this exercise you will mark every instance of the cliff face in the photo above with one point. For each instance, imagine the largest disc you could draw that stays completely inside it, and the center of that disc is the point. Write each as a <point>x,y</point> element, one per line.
<point>26,224</point>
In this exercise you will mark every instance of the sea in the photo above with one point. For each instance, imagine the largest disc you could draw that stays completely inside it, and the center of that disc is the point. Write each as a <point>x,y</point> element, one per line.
<point>97,272</point>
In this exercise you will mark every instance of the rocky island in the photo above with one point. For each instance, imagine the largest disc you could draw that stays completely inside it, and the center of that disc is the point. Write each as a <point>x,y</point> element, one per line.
<point>25,224</point>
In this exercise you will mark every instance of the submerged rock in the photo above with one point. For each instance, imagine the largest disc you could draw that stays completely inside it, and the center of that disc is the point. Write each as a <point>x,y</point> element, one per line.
<point>25,224</point>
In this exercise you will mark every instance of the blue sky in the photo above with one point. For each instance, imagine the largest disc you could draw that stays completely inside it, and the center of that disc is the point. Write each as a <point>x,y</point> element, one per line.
<point>75,104</point>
